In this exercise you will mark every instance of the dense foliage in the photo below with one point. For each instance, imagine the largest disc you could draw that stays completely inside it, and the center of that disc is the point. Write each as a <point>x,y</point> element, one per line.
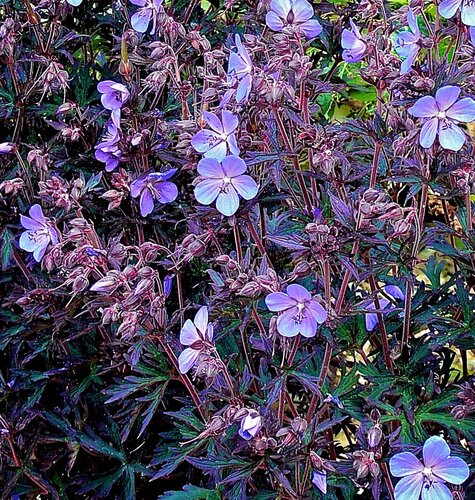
<point>237,249</point>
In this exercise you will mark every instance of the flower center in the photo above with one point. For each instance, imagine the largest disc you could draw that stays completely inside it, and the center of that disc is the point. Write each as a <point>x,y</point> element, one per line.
<point>38,234</point>
<point>300,316</point>
<point>226,180</point>
<point>441,115</point>
<point>427,471</point>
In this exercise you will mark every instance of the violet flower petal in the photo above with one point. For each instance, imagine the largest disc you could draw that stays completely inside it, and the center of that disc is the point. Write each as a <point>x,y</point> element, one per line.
<point>435,491</point>
<point>208,190</point>
<point>302,11</point>
<point>201,320</point>
<point>409,487</point>
<point>274,22</point>
<point>311,28</point>
<point>425,107</point>
<point>140,20</point>
<point>187,359</point>
<point>462,111</point>
<point>279,301</point>
<point>233,166</point>
<point>298,292</point>
<point>246,186</point>
<point>448,8</point>
<point>188,334</point>
<point>286,324</point>
<point>211,168</point>
<point>228,203</point>
<point>452,469</point>
<point>428,133</point>
<point>405,464</point>
<point>446,96</point>
<point>450,136</point>
<point>168,192</point>
<point>213,121</point>
<point>319,480</point>
<point>146,202</point>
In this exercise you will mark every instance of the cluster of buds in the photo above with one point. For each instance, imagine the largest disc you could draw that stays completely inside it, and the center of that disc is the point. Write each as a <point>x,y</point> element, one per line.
<point>39,160</point>
<point>465,178</point>
<point>8,30</point>
<point>192,246</point>
<point>12,186</point>
<point>323,240</point>
<point>60,193</point>
<point>55,77</point>
<point>467,395</point>
<point>292,435</point>
<point>375,206</point>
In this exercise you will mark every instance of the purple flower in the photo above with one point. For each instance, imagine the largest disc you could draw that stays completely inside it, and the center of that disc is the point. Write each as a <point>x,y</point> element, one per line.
<point>148,11</point>
<point>250,425</point>
<point>319,480</point>
<point>217,142</point>
<point>371,319</point>
<point>113,94</point>
<point>297,13</point>
<point>224,182</point>
<point>197,335</point>
<point>154,186</point>
<point>240,68</point>
<point>39,233</point>
<point>301,312</point>
<point>353,44</point>
<point>407,43</point>
<point>428,478</point>
<point>107,151</point>
<point>448,9</point>
<point>442,114</point>
<point>472,35</point>
<point>6,147</point>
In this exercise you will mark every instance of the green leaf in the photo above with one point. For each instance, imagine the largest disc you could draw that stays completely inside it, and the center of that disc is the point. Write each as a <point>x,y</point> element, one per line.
<point>191,492</point>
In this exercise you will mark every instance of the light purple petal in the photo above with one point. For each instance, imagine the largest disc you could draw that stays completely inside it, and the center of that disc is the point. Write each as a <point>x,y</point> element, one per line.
<point>36,212</point>
<point>188,333</point>
<point>298,292</point>
<point>405,464</point>
<point>230,122</point>
<point>157,4</point>
<point>412,22</point>
<point>207,191</point>
<point>354,55</point>
<point>53,234</point>
<point>319,480</point>
<point>450,136</point>
<point>311,28</point>
<point>452,469</point>
<point>242,50</point>
<point>74,3</point>
<point>436,491</point>
<point>203,140</point>
<point>371,321</point>
<point>168,192</point>
<point>29,223</point>
<point>317,311</point>
<point>409,487</point>
<point>228,203</point>
<point>140,20</point>
<point>308,325</point>
<point>246,186</point>
<point>472,35</point>
<point>232,143</point>
<point>213,121</point>
<point>187,359</point>
<point>349,40</point>
<point>394,291</point>
<point>250,426</point>
<point>40,251</point>
<point>302,10</point>
<point>27,241</point>
<point>218,151</point>
<point>244,89</point>
<point>446,96</point>
<point>140,3</point>
<point>463,110</point>
<point>201,320</point>
<point>435,450</point>
<point>137,186</point>
<point>448,8</point>
<point>274,22</point>
<point>211,168</point>
<point>286,325</point>
<point>279,301</point>
<point>104,87</point>
<point>146,202</point>
<point>233,166</point>
<point>236,64</point>
<point>468,13</point>
<point>425,107</point>
<point>281,7</point>
<point>428,133</point>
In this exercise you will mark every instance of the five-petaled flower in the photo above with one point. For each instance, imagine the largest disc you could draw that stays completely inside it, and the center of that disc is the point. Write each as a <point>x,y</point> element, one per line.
<point>448,9</point>
<point>250,425</point>
<point>217,142</point>
<point>196,334</point>
<point>148,12</point>
<point>114,94</point>
<point>428,479</point>
<point>442,114</point>
<point>354,47</point>
<point>39,233</point>
<point>371,319</point>
<point>154,186</point>
<point>240,69</point>
<point>108,151</point>
<point>224,182</point>
<point>296,13</point>
<point>407,43</point>
<point>301,313</point>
